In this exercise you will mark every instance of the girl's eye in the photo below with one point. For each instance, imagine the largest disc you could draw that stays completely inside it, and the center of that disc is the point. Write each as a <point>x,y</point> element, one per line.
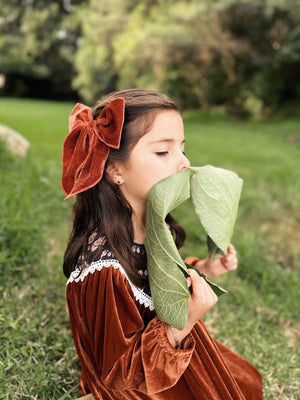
<point>183,152</point>
<point>161,153</point>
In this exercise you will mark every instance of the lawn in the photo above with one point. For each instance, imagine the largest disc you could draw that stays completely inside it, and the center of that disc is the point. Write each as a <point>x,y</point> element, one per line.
<point>258,318</point>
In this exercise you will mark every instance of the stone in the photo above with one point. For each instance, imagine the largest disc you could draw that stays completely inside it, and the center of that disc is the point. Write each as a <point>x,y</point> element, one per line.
<point>15,142</point>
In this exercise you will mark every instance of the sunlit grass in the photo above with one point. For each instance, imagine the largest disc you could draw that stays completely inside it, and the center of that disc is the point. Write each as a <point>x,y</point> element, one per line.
<point>259,316</point>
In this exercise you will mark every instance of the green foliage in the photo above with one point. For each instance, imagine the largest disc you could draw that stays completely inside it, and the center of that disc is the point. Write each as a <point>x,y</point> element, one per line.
<point>242,55</point>
<point>167,271</point>
<point>269,74</point>
<point>215,193</point>
<point>32,38</point>
<point>172,47</point>
<point>93,60</point>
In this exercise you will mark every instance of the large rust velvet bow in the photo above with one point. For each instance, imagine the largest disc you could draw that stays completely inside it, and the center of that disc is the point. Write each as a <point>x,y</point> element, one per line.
<point>86,148</point>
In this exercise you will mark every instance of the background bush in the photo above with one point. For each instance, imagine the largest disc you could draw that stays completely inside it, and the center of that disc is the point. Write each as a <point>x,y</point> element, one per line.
<point>240,55</point>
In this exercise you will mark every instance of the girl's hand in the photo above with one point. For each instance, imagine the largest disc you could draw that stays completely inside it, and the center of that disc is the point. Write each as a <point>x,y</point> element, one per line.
<point>202,299</point>
<point>219,266</point>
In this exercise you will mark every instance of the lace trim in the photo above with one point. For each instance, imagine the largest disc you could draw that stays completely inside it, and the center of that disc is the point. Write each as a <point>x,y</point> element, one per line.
<point>139,294</point>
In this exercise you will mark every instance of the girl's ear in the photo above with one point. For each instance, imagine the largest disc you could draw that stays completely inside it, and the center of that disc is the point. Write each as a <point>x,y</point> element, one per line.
<point>114,172</point>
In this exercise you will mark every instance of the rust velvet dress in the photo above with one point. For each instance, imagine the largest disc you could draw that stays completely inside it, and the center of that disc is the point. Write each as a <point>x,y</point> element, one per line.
<point>124,350</point>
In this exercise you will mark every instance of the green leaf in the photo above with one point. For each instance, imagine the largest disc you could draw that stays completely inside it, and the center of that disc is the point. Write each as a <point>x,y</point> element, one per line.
<point>166,269</point>
<point>217,289</point>
<point>216,194</point>
<point>213,249</point>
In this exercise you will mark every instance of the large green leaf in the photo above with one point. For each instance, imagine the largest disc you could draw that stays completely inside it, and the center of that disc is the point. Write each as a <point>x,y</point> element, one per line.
<point>166,269</point>
<point>216,194</point>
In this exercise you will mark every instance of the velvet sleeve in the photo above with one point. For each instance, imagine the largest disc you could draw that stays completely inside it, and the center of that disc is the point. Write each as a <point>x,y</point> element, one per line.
<point>116,347</point>
<point>192,260</point>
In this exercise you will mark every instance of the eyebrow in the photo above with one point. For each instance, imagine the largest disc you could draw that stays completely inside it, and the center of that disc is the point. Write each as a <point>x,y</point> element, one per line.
<point>166,140</point>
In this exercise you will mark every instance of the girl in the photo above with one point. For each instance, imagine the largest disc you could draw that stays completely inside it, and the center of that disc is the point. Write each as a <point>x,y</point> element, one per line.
<point>112,156</point>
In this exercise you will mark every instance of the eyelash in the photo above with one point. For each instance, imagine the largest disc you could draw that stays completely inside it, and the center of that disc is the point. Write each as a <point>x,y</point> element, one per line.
<point>164,153</point>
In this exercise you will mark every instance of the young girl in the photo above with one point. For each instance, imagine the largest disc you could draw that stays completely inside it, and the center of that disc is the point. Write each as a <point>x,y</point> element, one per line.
<point>112,156</point>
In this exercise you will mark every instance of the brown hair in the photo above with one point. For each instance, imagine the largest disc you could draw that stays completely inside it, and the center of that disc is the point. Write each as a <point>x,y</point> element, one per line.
<point>103,209</point>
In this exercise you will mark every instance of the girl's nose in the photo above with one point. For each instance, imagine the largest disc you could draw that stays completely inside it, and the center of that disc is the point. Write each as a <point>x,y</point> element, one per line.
<point>184,163</point>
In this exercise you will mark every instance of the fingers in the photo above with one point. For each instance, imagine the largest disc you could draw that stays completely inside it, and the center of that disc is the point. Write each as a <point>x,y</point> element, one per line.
<point>196,280</point>
<point>229,261</point>
<point>189,281</point>
<point>231,249</point>
<point>202,293</point>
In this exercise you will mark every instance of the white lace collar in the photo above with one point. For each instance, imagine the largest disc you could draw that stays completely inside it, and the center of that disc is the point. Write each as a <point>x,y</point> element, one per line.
<point>139,294</point>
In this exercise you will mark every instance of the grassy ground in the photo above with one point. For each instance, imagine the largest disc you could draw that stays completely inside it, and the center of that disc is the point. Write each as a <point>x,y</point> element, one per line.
<point>259,317</point>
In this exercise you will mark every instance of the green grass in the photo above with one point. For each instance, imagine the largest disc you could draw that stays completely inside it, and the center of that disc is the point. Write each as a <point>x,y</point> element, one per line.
<point>43,123</point>
<point>258,318</point>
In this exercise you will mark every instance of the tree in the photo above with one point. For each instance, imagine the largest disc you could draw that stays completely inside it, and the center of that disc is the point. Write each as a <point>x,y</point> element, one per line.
<point>32,39</point>
<point>177,47</point>
<point>270,74</point>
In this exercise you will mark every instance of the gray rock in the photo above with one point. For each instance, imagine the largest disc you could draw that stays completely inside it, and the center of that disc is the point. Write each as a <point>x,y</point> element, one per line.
<point>14,141</point>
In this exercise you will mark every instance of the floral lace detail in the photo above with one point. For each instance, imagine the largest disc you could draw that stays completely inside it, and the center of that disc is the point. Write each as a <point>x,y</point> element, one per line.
<point>96,244</point>
<point>107,254</point>
<point>138,249</point>
<point>140,296</point>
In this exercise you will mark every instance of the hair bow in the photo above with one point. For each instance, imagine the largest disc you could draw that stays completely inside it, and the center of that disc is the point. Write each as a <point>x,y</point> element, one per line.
<point>86,148</point>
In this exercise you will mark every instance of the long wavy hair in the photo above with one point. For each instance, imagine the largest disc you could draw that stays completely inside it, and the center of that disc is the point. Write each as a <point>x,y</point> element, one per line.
<point>103,211</point>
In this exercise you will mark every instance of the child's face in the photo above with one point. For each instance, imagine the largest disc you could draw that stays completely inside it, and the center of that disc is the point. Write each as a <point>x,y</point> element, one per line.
<point>158,154</point>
